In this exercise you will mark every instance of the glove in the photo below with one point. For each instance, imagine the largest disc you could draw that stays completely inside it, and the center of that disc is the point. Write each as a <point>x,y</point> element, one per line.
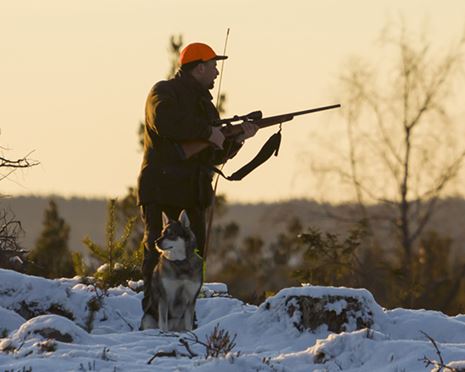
<point>249,131</point>
<point>217,137</point>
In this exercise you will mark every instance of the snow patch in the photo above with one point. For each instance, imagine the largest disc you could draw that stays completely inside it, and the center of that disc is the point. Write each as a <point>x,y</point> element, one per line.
<point>267,337</point>
<point>9,321</point>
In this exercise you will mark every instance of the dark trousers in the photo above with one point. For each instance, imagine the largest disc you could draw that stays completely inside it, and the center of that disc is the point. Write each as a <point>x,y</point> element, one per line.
<point>151,215</point>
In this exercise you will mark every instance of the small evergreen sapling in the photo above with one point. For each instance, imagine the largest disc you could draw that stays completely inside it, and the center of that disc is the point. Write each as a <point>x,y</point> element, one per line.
<point>119,262</point>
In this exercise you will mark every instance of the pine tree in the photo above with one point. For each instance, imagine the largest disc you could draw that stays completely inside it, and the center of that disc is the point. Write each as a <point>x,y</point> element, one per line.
<point>120,263</point>
<point>126,209</point>
<point>51,256</point>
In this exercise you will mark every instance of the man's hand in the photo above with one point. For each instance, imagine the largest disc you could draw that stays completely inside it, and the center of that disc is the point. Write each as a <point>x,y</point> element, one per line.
<point>217,137</point>
<point>249,131</point>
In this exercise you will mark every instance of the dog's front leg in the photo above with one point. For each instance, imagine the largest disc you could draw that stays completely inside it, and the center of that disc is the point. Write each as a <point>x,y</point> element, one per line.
<point>189,317</point>
<point>163,315</point>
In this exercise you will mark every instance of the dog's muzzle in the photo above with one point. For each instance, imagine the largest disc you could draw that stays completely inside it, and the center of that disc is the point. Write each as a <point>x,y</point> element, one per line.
<point>159,242</point>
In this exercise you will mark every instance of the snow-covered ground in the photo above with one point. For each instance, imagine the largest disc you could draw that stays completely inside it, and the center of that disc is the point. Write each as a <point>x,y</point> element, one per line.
<point>270,337</point>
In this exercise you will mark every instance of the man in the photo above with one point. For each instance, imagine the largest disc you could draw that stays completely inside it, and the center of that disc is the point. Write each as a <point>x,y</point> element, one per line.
<point>178,110</point>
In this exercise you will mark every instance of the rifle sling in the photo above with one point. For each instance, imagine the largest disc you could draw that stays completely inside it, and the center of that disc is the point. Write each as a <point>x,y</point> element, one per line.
<point>271,146</point>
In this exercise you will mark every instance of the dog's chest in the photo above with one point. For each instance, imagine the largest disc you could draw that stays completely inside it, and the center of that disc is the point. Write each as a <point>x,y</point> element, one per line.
<point>185,287</point>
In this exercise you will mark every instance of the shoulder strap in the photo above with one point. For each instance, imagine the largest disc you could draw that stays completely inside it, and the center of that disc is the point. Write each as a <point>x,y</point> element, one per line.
<point>271,146</point>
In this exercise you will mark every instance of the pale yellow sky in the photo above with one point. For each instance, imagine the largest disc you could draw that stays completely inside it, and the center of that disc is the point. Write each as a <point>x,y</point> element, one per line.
<point>74,76</point>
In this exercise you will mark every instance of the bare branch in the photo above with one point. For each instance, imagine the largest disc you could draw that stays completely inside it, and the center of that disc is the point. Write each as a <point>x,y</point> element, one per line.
<point>428,362</point>
<point>184,343</point>
<point>24,162</point>
<point>10,229</point>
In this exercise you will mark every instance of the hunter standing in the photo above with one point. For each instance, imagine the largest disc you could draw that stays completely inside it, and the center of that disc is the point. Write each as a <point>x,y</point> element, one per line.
<point>177,110</point>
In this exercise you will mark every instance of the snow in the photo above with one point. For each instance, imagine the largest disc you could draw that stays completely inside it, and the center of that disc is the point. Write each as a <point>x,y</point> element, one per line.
<point>55,336</point>
<point>9,320</point>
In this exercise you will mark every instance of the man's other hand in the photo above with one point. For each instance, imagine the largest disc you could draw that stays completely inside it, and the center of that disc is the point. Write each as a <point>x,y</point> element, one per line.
<point>217,137</point>
<point>249,131</point>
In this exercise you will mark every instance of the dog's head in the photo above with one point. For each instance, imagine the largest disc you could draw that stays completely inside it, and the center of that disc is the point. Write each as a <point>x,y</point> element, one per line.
<point>177,241</point>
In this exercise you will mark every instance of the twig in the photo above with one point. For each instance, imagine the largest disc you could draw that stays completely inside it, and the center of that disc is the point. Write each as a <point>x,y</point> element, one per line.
<point>19,163</point>
<point>195,339</point>
<point>428,362</point>
<point>124,320</point>
<point>184,343</point>
<point>162,354</point>
<point>172,353</point>
<point>435,346</point>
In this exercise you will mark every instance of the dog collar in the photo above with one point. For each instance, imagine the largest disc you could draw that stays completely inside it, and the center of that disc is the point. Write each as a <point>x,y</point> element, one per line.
<point>197,252</point>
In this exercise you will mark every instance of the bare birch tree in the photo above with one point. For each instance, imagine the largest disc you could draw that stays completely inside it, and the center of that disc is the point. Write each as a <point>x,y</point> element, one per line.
<point>402,146</point>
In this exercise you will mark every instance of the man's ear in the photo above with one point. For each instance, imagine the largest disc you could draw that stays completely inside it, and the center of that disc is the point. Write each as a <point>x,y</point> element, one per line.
<point>199,69</point>
<point>184,219</point>
<point>165,219</point>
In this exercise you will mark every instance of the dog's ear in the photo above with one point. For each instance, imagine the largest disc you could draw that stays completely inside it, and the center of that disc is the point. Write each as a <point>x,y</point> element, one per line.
<point>165,219</point>
<point>184,219</point>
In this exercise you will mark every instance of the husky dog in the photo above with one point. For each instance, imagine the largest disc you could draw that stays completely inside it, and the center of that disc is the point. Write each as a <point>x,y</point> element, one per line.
<point>176,279</point>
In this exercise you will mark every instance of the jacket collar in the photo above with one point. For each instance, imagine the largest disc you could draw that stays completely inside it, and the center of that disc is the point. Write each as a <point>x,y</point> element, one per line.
<point>188,80</point>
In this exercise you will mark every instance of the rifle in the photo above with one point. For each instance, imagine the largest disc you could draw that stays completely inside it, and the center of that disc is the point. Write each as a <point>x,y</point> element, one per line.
<point>229,130</point>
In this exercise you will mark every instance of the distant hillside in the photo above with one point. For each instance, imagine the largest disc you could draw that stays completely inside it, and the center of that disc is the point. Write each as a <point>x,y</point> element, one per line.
<point>269,219</point>
<point>88,217</point>
<point>85,217</point>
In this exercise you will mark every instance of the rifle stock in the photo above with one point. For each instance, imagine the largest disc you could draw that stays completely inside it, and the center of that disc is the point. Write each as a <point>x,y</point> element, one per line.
<point>190,148</point>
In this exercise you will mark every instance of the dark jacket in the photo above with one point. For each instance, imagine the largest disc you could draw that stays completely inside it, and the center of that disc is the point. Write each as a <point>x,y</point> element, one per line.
<point>177,110</point>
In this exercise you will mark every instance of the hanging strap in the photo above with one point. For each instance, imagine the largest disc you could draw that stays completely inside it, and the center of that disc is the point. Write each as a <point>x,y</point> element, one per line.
<point>271,146</point>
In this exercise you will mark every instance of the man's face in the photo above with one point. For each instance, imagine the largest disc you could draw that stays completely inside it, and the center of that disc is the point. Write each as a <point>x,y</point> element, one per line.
<point>208,74</point>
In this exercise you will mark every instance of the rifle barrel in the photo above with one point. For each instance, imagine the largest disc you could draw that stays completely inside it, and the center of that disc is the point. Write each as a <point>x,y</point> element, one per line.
<point>314,110</point>
<point>272,120</point>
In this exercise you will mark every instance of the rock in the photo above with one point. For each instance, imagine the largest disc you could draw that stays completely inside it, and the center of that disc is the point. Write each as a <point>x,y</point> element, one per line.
<point>214,290</point>
<point>48,333</point>
<point>29,310</point>
<point>338,309</point>
<point>46,327</point>
<point>338,313</point>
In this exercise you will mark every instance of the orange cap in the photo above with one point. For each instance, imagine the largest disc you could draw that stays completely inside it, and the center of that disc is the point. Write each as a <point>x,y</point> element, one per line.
<point>198,52</point>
